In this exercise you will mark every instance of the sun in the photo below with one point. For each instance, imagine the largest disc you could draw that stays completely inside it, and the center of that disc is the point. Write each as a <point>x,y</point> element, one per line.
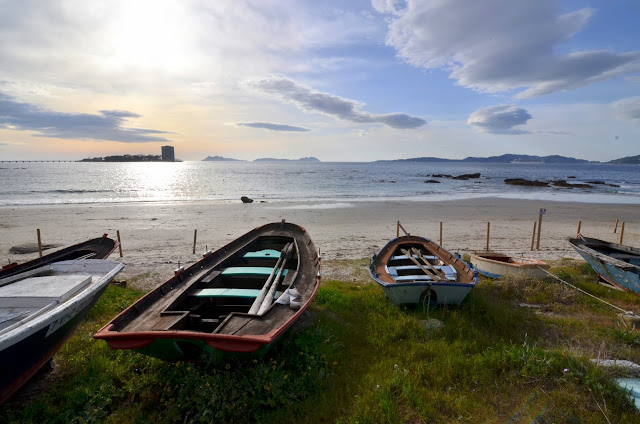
<point>153,35</point>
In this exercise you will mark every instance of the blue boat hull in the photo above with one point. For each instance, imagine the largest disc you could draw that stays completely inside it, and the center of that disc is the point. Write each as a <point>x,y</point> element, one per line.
<point>615,263</point>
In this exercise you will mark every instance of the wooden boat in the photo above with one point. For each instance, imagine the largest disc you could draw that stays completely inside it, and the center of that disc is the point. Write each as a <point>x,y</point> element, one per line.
<point>97,248</point>
<point>495,265</point>
<point>40,308</point>
<point>237,300</point>
<point>414,269</point>
<point>615,263</point>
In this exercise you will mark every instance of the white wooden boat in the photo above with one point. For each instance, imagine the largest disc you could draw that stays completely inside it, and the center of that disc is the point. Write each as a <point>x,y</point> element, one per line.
<point>40,308</point>
<point>496,265</point>
<point>413,269</point>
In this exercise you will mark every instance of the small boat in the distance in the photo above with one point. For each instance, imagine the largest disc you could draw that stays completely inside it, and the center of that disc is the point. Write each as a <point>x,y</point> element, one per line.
<point>97,248</point>
<point>615,263</point>
<point>496,265</point>
<point>413,269</point>
<point>237,300</point>
<point>40,309</point>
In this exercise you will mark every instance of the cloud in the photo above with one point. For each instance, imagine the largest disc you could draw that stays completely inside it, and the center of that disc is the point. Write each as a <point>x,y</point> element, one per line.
<point>499,119</point>
<point>500,45</point>
<point>310,100</point>
<point>628,109</point>
<point>108,125</point>
<point>272,127</point>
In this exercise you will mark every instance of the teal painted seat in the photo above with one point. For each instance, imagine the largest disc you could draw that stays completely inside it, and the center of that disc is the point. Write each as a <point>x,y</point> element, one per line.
<point>229,292</point>
<point>250,270</point>
<point>263,254</point>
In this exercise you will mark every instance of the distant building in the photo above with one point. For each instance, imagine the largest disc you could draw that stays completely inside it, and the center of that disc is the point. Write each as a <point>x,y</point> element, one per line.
<point>168,154</point>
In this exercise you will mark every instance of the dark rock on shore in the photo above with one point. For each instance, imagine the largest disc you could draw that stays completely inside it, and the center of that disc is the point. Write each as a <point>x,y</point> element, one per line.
<point>463,177</point>
<point>525,183</point>
<point>23,249</point>
<point>245,199</point>
<point>602,183</point>
<point>563,183</point>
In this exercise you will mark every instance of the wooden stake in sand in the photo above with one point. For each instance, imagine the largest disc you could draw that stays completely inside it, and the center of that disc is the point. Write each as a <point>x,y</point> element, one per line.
<point>39,243</point>
<point>542,212</point>
<point>615,229</point>
<point>578,232</point>
<point>621,232</point>
<point>195,235</point>
<point>440,233</point>
<point>533,236</point>
<point>488,232</point>
<point>398,230</point>
<point>119,242</point>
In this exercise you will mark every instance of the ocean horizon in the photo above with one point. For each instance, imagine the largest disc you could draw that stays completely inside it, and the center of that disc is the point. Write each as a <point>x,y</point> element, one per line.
<point>53,183</point>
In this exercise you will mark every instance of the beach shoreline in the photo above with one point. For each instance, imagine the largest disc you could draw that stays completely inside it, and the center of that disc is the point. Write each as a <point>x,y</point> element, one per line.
<point>158,237</point>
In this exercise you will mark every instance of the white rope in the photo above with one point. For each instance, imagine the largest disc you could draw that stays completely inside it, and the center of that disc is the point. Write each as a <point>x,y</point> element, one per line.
<point>587,293</point>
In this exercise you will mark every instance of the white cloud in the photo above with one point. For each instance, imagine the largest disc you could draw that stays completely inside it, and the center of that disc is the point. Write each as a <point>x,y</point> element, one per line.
<point>628,109</point>
<point>272,127</point>
<point>307,99</point>
<point>499,119</point>
<point>500,45</point>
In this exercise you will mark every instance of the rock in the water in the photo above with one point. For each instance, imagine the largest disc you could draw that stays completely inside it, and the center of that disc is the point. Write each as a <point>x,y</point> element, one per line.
<point>23,249</point>
<point>467,176</point>
<point>526,183</point>
<point>245,199</point>
<point>432,181</point>
<point>563,183</point>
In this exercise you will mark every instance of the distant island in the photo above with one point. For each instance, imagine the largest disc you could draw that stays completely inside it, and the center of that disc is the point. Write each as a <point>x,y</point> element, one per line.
<point>629,160</point>
<point>220,159</point>
<point>223,159</point>
<point>125,158</point>
<point>507,158</point>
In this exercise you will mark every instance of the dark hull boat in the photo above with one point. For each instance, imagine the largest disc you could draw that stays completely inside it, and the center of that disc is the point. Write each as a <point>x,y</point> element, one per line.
<point>97,248</point>
<point>237,300</point>
<point>413,269</point>
<point>40,308</point>
<point>615,263</point>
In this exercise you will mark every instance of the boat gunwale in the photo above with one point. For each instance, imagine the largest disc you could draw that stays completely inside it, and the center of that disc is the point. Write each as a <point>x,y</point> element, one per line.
<point>582,244</point>
<point>531,264</point>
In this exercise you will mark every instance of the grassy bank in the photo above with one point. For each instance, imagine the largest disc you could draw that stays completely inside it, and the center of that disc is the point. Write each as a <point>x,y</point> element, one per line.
<point>358,358</point>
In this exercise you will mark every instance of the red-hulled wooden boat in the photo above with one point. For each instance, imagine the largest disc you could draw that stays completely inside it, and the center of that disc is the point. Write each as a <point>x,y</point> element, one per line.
<point>237,300</point>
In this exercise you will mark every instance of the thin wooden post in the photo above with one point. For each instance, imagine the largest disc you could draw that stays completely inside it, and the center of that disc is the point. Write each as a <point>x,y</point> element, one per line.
<point>398,229</point>
<point>539,228</point>
<point>488,232</point>
<point>440,233</point>
<point>578,232</point>
<point>615,229</point>
<point>533,236</point>
<point>621,232</point>
<point>39,243</point>
<point>119,242</point>
<point>195,235</point>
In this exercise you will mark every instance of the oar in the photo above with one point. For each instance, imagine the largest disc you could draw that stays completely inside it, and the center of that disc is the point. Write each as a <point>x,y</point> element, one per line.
<point>266,303</point>
<point>426,271</point>
<point>427,263</point>
<point>255,306</point>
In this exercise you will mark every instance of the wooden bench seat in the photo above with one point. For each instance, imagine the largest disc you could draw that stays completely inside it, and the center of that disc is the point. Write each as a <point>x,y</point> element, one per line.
<point>229,292</point>
<point>250,270</point>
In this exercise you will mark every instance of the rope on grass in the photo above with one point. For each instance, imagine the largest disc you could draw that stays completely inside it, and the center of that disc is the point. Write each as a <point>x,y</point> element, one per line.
<point>587,293</point>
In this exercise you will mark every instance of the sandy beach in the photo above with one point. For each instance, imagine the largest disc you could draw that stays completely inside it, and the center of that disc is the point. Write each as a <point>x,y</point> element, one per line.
<point>158,237</point>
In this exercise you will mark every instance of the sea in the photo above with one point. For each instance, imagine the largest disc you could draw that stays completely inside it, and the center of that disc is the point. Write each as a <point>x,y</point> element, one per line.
<point>317,183</point>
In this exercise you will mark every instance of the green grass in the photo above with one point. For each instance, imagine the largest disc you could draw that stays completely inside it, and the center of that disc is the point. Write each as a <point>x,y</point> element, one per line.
<point>364,360</point>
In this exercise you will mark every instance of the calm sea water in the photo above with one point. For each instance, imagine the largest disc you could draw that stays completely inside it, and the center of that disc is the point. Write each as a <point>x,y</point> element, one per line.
<point>87,183</point>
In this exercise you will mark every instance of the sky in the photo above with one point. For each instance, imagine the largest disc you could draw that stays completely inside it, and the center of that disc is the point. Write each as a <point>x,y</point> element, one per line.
<point>337,80</point>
